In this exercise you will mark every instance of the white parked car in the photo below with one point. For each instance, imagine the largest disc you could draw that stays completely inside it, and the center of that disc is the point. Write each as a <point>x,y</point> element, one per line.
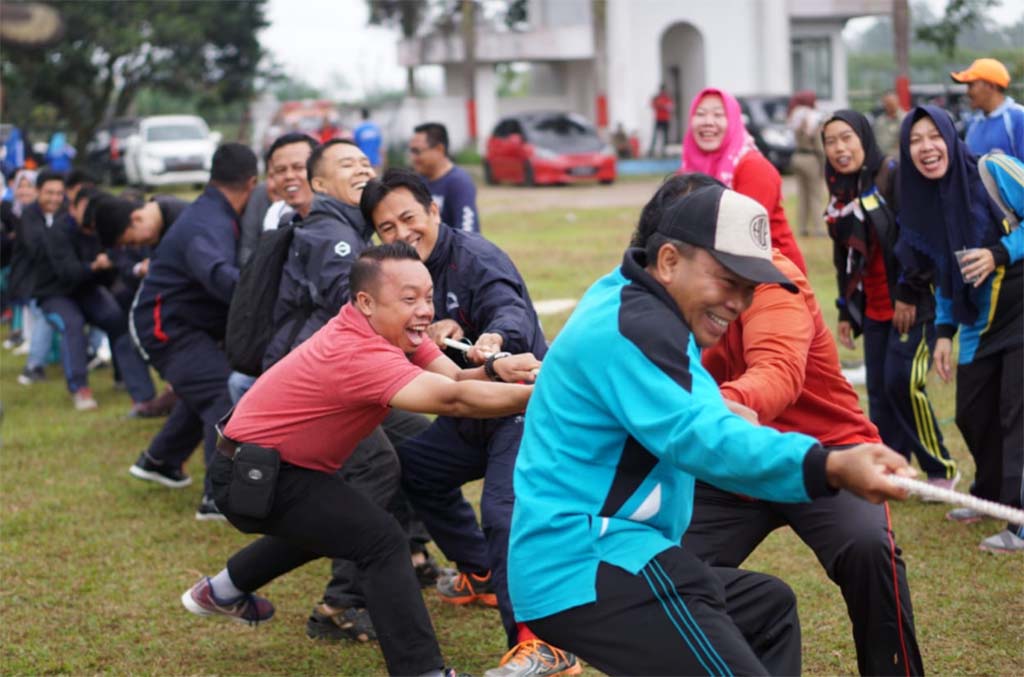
<point>170,149</point>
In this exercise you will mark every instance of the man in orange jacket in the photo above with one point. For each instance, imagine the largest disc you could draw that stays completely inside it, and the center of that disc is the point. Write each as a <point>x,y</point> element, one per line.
<point>778,358</point>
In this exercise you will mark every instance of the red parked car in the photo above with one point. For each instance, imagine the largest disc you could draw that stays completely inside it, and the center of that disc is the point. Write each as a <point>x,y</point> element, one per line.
<point>544,148</point>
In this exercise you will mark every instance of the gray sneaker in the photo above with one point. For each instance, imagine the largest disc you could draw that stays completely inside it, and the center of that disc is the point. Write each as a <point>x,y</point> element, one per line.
<point>942,483</point>
<point>965,515</point>
<point>1004,541</point>
<point>536,658</point>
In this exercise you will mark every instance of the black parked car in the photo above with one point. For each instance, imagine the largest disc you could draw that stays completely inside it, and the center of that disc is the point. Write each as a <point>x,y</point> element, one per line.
<point>765,118</point>
<point>104,154</point>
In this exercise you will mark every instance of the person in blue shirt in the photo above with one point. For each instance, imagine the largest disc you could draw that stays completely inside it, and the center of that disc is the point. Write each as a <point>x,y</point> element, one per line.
<point>953,224</point>
<point>452,188</point>
<point>179,319</point>
<point>622,422</point>
<point>999,123</point>
<point>368,137</point>
<point>59,153</point>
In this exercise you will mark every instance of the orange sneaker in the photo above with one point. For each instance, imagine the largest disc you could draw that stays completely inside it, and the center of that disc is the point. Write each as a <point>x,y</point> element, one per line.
<point>535,658</point>
<point>463,588</point>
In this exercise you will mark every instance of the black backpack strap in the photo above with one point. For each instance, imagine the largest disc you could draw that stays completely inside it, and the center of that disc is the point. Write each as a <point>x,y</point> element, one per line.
<point>310,303</point>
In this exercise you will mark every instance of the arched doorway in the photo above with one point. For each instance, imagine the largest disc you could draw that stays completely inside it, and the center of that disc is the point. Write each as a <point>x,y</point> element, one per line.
<point>682,71</point>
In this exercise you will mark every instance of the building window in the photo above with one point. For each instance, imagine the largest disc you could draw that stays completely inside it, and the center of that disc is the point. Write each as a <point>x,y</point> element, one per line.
<point>812,65</point>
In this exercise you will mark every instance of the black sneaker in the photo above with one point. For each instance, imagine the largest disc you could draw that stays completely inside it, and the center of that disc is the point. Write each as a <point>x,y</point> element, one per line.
<point>337,624</point>
<point>30,375</point>
<point>429,571</point>
<point>146,469</point>
<point>209,512</point>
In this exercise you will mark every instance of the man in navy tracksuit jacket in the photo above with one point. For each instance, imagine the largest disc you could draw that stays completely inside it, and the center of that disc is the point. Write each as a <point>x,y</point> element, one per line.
<point>179,318</point>
<point>480,296</point>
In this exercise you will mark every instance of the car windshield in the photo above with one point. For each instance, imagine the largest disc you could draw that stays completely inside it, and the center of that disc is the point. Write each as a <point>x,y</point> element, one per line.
<point>179,132</point>
<point>768,111</point>
<point>124,131</point>
<point>563,134</point>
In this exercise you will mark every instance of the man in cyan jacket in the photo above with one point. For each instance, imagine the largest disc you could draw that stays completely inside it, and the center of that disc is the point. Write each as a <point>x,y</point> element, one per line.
<point>179,318</point>
<point>778,358</point>
<point>623,421</point>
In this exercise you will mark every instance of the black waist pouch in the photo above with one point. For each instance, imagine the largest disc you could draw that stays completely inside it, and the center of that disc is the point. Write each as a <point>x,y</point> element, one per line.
<point>253,481</point>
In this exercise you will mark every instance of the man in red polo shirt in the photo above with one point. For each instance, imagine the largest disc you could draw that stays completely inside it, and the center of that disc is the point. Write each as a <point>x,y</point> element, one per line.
<point>312,407</point>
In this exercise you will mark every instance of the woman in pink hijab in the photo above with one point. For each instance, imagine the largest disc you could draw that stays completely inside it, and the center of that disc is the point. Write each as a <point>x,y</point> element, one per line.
<point>718,144</point>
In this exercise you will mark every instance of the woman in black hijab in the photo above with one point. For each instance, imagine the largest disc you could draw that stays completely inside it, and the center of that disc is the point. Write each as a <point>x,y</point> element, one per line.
<point>962,229</point>
<point>893,309</point>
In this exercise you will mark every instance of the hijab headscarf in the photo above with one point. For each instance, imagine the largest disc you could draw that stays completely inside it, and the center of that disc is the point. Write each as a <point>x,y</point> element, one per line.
<point>736,142</point>
<point>847,222</point>
<point>942,216</point>
<point>22,175</point>
<point>845,187</point>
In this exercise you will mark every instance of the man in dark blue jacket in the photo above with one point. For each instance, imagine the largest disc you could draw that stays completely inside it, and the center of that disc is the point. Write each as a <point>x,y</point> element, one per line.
<point>314,281</point>
<point>70,277</point>
<point>481,299</point>
<point>179,317</point>
<point>130,231</point>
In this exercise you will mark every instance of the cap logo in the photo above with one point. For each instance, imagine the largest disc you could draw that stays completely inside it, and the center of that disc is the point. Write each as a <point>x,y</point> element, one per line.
<point>759,232</point>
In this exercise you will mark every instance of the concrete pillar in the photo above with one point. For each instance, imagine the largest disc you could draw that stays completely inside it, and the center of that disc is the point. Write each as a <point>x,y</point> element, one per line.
<point>486,103</point>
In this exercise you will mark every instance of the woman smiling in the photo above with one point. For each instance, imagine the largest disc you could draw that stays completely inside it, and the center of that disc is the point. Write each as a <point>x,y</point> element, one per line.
<point>718,144</point>
<point>955,224</point>
<point>892,307</point>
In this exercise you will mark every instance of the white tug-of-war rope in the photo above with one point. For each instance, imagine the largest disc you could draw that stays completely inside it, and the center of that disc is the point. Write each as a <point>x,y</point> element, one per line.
<point>990,508</point>
<point>922,489</point>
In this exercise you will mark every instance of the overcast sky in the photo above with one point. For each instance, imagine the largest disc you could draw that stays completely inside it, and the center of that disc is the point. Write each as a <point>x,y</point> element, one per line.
<point>327,43</point>
<point>320,40</point>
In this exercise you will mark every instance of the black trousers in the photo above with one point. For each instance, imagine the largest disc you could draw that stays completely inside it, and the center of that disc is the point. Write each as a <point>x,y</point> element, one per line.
<point>196,366</point>
<point>316,514</point>
<point>435,465</point>
<point>373,470</point>
<point>852,539</point>
<point>660,128</point>
<point>990,414</point>
<point>679,616</point>
<point>897,369</point>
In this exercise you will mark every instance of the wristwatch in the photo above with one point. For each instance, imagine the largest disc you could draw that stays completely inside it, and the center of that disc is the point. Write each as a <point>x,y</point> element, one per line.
<point>489,365</point>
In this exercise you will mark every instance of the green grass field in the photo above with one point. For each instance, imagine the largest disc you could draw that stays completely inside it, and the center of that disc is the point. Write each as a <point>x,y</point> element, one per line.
<point>92,562</point>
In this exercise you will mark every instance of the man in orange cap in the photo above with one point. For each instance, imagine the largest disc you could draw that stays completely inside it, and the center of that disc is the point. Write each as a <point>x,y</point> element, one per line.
<point>1000,122</point>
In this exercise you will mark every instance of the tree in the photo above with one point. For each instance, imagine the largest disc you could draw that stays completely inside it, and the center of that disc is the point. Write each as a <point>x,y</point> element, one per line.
<point>112,50</point>
<point>959,14</point>
<point>407,15</point>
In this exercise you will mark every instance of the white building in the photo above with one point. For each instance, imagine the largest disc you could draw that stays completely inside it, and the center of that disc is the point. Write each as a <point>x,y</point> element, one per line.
<point>585,53</point>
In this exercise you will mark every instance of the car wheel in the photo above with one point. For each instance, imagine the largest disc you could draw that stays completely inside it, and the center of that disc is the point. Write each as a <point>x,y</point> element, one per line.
<point>488,174</point>
<point>606,182</point>
<point>528,178</point>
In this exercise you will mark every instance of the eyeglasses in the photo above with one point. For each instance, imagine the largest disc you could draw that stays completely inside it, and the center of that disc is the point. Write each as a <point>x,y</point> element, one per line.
<point>414,151</point>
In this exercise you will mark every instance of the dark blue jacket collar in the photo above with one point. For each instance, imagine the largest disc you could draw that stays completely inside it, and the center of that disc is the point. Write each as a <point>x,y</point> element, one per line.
<point>634,268</point>
<point>442,252</point>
